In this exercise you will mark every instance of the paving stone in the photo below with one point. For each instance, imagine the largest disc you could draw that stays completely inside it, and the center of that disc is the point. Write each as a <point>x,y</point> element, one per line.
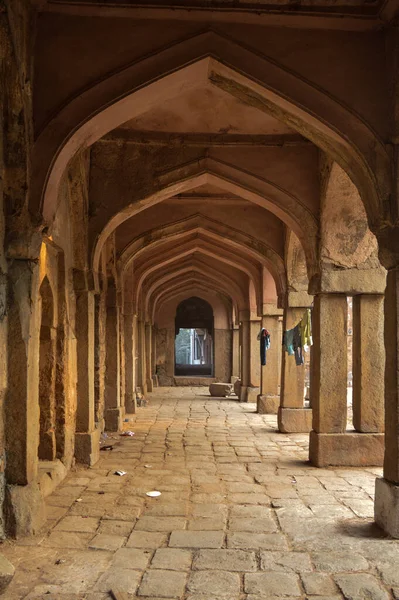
<point>103,541</point>
<point>318,584</point>
<point>113,527</point>
<point>225,560</point>
<point>264,525</point>
<point>146,539</point>
<point>160,523</point>
<point>196,539</point>
<point>165,584</point>
<point>254,512</point>
<point>173,559</point>
<point>124,579</point>
<point>249,499</point>
<point>67,539</point>
<point>360,586</point>
<point>131,558</point>
<point>272,584</point>
<point>207,524</point>
<point>267,541</point>
<point>218,584</point>
<point>335,562</point>
<point>166,510</point>
<point>79,524</point>
<point>285,561</point>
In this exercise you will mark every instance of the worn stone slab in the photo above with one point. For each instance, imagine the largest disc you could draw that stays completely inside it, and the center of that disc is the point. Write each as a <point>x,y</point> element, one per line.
<point>356,586</point>
<point>104,541</point>
<point>225,560</point>
<point>218,584</point>
<point>262,525</point>
<point>336,562</point>
<point>296,562</point>
<point>146,539</point>
<point>131,558</point>
<point>162,583</point>
<point>160,523</point>
<point>173,559</point>
<point>123,579</point>
<point>266,541</point>
<point>272,584</point>
<point>196,539</point>
<point>318,584</point>
<point>78,524</point>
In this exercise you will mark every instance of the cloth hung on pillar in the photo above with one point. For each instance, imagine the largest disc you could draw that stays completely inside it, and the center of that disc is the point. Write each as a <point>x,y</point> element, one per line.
<point>264,338</point>
<point>288,339</point>
<point>306,329</point>
<point>297,345</point>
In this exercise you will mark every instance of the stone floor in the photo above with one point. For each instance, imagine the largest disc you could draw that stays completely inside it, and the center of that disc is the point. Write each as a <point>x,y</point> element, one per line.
<point>242,515</point>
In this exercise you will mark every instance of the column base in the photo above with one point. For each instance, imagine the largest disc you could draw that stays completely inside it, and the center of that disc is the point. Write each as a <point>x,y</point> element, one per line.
<point>113,418</point>
<point>386,507</point>
<point>130,403</point>
<point>24,510</point>
<point>346,449</point>
<point>268,404</point>
<point>294,420</point>
<point>87,447</point>
<point>248,393</point>
<point>149,385</point>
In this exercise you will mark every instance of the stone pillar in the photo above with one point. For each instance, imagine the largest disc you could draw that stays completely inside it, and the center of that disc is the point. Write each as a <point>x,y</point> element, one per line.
<point>368,363</point>
<point>130,396</point>
<point>268,399</point>
<point>386,508</point>
<point>293,417</point>
<point>330,443</point>
<point>113,409</point>
<point>148,356</point>
<point>235,358</point>
<point>141,360</point>
<point>23,503</point>
<point>154,375</point>
<point>87,436</point>
<point>245,338</point>
<point>222,340</point>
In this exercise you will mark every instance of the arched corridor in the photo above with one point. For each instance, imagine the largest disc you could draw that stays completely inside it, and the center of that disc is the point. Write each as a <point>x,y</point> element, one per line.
<point>241,511</point>
<point>199,200</point>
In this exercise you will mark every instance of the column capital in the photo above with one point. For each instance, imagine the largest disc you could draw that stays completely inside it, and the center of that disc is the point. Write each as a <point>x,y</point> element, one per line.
<point>244,315</point>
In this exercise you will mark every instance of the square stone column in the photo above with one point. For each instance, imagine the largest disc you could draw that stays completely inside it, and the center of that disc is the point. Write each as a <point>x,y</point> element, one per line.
<point>250,361</point>
<point>235,358</point>
<point>330,443</point>
<point>368,363</point>
<point>130,396</point>
<point>87,436</point>
<point>23,503</point>
<point>293,417</point>
<point>387,488</point>
<point>112,391</point>
<point>148,356</point>
<point>268,399</point>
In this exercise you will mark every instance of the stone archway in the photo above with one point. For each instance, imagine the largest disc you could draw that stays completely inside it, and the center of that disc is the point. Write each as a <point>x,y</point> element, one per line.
<point>194,328</point>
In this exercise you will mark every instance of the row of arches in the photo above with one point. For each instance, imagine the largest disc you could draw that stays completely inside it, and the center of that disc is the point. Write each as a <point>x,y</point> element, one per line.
<point>260,227</point>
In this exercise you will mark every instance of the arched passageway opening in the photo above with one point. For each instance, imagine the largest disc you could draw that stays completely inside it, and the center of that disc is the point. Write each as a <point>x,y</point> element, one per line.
<point>194,325</point>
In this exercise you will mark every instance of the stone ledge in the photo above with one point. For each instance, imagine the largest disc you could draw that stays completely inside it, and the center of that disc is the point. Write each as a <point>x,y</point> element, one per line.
<point>268,404</point>
<point>294,420</point>
<point>386,507</point>
<point>346,449</point>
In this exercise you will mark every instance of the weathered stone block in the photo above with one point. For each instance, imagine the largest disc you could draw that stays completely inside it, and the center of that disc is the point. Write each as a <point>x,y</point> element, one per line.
<point>24,510</point>
<point>220,390</point>
<point>6,573</point>
<point>346,449</point>
<point>386,508</point>
<point>87,447</point>
<point>294,420</point>
<point>268,405</point>
<point>249,394</point>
